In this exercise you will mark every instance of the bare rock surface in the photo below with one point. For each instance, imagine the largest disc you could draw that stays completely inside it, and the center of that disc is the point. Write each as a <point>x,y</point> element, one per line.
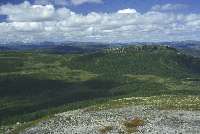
<point>111,121</point>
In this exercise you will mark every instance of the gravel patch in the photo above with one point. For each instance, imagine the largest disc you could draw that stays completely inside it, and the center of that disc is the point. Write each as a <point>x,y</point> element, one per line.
<point>92,122</point>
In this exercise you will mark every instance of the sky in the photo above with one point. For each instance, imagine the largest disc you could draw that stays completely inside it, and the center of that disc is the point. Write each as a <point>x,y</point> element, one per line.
<point>99,20</point>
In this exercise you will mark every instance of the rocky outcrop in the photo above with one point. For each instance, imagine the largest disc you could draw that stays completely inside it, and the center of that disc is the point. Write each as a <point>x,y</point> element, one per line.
<point>86,121</point>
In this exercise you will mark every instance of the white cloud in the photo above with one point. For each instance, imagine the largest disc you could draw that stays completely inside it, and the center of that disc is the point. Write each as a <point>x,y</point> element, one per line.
<point>27,12</point>
<point>169,7</point>
<point>79,2</point>
<point>43,2</point>
<point>29,23</point>
<point>66,2</point>
<point>127,11</point>
<point>53,2</point>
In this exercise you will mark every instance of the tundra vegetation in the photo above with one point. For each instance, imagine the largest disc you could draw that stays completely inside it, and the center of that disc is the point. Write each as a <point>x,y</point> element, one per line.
<point>36,85</point>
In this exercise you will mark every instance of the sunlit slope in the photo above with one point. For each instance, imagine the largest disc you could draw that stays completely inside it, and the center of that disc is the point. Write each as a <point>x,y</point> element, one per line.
<point>157,60</point>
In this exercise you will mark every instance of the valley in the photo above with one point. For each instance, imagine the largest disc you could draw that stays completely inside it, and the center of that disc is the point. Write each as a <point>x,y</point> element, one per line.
<point>37,85</point>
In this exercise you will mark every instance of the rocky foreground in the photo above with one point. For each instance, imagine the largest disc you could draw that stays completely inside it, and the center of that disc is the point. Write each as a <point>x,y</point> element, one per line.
<point>129,119</point>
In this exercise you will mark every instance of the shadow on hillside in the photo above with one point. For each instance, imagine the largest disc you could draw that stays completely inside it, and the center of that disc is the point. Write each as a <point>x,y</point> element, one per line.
<point>28,94</point>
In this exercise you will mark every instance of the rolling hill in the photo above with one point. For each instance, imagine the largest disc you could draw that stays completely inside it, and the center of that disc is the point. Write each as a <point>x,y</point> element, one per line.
<point>36,84</point>
<point>157,60</point>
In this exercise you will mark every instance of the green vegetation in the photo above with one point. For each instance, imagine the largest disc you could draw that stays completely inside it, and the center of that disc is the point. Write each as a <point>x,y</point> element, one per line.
<point>161,61</point>
<point>161,102</point>
<point>191,51</point>
<point>34,85</point>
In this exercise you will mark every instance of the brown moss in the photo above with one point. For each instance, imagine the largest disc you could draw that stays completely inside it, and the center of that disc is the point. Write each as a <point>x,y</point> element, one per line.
<point>105,129</point>
<point>136,122</point>
<point>132,125</point>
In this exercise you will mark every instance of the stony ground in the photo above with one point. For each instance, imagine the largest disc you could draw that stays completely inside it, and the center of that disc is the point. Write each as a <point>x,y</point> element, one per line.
<point>113,121</point>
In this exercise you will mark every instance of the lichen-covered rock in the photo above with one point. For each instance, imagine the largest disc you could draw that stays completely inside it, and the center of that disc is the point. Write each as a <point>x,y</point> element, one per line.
<point>112,121</point>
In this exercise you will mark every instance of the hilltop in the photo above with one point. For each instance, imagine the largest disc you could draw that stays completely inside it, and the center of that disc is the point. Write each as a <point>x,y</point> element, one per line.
<point>125,116</point>
<point>157,60</point>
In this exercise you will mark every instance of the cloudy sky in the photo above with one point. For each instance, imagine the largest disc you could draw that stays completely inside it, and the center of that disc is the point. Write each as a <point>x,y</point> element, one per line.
<point>99,20</point>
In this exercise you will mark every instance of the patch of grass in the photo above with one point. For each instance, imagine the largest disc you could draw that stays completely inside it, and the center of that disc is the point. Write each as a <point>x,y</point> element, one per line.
<point>133,124</point>
<point>105,129</point>
<point>153,78</point>
<point>21,127</point>
<point>161,102</point>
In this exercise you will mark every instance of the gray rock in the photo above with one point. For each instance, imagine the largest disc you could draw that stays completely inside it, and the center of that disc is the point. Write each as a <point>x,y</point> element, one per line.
<point>91,122</point>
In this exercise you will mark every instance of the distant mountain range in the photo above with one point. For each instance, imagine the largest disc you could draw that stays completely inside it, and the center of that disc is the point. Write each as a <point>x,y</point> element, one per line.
<point>52,47</point>
<point>188,47</point>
